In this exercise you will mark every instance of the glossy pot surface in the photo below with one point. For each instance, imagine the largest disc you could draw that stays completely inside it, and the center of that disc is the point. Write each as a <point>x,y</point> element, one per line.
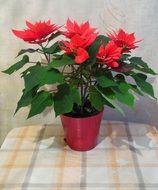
<point>81,134</point>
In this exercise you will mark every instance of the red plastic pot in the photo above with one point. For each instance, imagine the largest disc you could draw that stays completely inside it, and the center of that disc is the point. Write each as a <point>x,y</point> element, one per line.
<point>81,133</point>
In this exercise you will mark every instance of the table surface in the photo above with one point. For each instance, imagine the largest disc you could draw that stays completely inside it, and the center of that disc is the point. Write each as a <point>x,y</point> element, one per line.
<point>37,158</point>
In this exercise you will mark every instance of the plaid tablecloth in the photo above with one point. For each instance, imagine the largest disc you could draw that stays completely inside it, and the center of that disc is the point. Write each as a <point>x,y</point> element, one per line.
<point>37,158</point>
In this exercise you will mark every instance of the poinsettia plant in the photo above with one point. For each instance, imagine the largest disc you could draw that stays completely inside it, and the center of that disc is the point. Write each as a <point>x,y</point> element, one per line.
<point>87,70</point>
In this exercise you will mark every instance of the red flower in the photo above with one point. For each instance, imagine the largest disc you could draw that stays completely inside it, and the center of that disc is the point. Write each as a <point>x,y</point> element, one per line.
<point>81,56</point>
<point>123,40</point>
<point>36,33</point>
<point>80,53</point>
<point>84,31</point>
<point>80,37</point>
<point>109,54</point>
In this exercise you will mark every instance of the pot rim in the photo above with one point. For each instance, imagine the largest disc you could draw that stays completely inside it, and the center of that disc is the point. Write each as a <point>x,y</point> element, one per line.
<point>75,117</point>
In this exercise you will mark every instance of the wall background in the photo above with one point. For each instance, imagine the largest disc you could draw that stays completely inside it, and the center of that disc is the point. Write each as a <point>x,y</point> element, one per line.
<point>140,16</point>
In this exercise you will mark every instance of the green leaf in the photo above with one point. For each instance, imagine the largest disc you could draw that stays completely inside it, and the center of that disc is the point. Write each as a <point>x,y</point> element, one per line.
<point>136,89</point>
<point>97,72</point>
<point>93,49</point>
<point>52,76</point>
<point>140,65</point>
<point>25,72</point>
<point>140,76</point>
<point>52,49</point>
<point>138,61</point>
<point>105,81</point>
<point>124,87</point>
<point>77,81</point>
<point>103,39</point>
<point>65,98</point>
<point>124,57</point>
<point>126,98</point>
<point>111,102</point>
<point>30,50</point>
<point>146,87</point>
<point>40,102</point>
<point>34,77</point>
<point>108,91</point>
<point>25,99</point>
<point>39,76</point>
<point>96,99</point>
<point>17,65</point>
<point>145,70</point>
<point>64,60</point>
<point>75,95</point>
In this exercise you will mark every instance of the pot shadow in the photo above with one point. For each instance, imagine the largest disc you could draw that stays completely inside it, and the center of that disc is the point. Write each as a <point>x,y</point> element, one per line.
<point>146,137</point>
<point>51,136</point>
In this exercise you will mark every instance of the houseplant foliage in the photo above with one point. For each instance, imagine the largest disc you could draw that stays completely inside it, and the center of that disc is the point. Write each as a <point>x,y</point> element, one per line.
<point>88,70</point>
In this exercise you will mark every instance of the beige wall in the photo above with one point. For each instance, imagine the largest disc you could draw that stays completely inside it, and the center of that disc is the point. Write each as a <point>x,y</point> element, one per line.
<point>140,16</point>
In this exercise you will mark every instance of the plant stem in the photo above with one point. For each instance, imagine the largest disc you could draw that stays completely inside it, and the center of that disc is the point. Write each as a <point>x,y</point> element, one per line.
<point>63,69</point>
<point>45,54</point>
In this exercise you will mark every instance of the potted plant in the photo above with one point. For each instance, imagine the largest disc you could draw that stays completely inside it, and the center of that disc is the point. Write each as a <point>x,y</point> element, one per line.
<point>87,71</point>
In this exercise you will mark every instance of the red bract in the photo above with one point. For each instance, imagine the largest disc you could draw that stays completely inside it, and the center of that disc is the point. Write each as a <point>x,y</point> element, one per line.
<point>86,33</point>
<point>80,37</point>
<point>123,40</point>
<point>109,54</point>
<point>36,33</point>
<point>81,56</point>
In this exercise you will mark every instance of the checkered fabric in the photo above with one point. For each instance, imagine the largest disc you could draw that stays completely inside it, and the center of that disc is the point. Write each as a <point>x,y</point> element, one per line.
<point>37,158</point>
